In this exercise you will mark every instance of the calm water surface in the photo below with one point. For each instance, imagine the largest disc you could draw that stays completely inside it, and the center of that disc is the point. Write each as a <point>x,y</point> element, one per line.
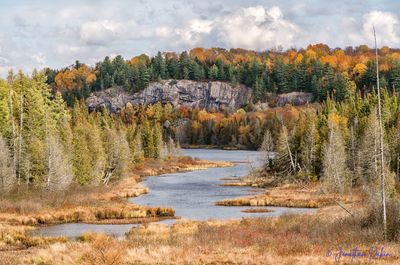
<point>191,194</point>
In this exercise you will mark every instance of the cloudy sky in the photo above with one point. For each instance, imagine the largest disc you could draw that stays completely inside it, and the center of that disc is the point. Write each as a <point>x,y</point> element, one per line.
<point>55,33</point>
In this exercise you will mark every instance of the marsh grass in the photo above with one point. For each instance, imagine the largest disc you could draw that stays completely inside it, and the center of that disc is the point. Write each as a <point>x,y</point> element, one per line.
<point>289,239</point>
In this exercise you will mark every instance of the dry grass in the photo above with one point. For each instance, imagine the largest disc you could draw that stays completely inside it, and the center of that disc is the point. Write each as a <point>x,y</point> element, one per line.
<point>301,239</point>
<point>90,214</point>
<point>237,184</point>
<point>95,204</point>
<point>292,196</point>
<point>256,210</point>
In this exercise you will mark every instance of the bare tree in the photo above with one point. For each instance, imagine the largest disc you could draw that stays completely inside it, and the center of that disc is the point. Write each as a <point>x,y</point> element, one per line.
<point>60,172</point>
<point>267,146</point>
<point>118,155</point>
<point>173,149</point>
<point>13,140</point>
<point>368,151</point>
<point>381,142</point>
<point>21,111</point>
<point>335,172</point>
<point>284,161</point>
<point>7,169</point>
<point>308,152</point>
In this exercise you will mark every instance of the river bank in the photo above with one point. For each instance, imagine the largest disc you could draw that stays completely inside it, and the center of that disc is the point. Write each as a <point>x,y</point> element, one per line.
<point>311,238</point>
<point>291,195</point>
<point>96,204</point>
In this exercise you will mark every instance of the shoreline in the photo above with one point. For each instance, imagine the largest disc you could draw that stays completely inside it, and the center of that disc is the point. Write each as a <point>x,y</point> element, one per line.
<point>290,195</point>
<point>114,206</point>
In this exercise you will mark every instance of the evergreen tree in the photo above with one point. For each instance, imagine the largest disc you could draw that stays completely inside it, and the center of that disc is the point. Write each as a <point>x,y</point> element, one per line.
<point>213,73</point>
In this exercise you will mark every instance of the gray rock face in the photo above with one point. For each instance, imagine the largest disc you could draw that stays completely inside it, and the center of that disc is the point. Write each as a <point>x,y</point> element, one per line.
<point>195,94</point>
<point>294,98</point>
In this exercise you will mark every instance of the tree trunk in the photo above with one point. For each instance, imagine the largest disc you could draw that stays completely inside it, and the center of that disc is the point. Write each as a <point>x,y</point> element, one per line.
<point>381,143</point>
<point>20,135</point>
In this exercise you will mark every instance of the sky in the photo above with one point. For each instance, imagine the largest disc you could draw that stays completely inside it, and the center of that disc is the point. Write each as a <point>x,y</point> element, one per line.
<point>55,33</point>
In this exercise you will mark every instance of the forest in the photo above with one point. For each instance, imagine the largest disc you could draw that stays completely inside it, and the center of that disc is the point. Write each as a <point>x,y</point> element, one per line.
<point>44,143</point>
<point>47,142</point>
<point>60,163</point>
<point>318,69</point>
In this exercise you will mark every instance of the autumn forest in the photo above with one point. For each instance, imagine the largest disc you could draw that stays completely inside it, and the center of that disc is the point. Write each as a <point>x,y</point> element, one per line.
<point>50,143</point>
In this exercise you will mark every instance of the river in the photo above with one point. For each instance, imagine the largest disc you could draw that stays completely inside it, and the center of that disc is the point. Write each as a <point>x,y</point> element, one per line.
<point>191,194</point>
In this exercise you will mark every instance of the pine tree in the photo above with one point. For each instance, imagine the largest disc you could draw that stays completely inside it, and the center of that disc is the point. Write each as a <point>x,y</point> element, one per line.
<point>280,77</point>
<point>213,73</point>
<point>395,77</point>
<point>134,137</point>
<point>173,67</point>
<point>148,140</point>
<point>5,115</point>
<point>88,152</point>
<point>157,140</point>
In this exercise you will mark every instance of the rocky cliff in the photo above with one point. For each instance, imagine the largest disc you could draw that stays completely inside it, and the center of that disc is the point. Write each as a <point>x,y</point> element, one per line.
<point>208,95</point>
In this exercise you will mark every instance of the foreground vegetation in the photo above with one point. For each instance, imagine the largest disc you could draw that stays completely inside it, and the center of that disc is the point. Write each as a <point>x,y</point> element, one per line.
<point>299,239</point>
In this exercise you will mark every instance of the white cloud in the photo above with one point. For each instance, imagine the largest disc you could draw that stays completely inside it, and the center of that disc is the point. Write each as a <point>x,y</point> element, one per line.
<point>258,28</point>
<point>252,28</point>
<point>195,32</point>
<point>39,59</point>
<point>99,32</point>
<point>386,25</point>
<point>4,61</point>
<point>162,31</point>
<point>56,34</point>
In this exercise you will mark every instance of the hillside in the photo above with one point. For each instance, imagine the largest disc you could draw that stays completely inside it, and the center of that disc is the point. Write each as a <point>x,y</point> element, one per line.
<point>318,69</point>
<point>212,95</point>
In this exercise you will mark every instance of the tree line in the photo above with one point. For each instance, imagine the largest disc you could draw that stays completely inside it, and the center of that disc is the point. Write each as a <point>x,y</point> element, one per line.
<point>45,144</point>
<point>318,69</point>
<point>336,142</point>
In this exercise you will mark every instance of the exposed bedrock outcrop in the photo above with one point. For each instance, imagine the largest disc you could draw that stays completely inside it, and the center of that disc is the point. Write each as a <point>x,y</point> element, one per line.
<point>195,94</point>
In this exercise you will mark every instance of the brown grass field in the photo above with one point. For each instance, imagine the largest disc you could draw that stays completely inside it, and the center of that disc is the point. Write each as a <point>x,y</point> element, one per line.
<point>329,236</point>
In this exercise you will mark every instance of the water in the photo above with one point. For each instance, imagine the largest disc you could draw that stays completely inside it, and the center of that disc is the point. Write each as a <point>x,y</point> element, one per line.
<point>191,194</point>
<point>76,229</point>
